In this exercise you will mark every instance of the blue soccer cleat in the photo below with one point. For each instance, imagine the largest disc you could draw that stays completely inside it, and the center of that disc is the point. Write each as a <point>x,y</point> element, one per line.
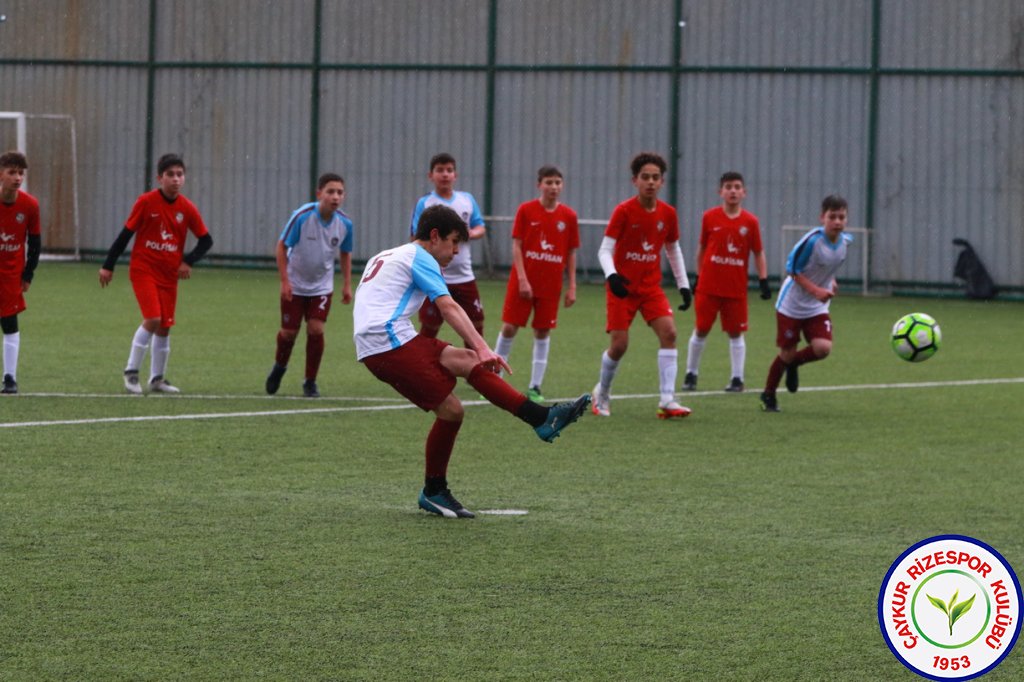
<point>560,416</point>
<point>444,504</point>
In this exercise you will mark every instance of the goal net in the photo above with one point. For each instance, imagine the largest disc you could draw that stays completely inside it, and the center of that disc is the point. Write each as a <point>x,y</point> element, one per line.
<point>48,140</point>
<point>853,273</point>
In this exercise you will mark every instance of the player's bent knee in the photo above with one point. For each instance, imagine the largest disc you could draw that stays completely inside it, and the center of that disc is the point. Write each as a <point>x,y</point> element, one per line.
<point>451,409</point>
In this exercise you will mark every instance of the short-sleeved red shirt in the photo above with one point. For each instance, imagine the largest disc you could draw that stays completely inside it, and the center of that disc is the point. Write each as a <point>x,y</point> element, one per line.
<point>17,221</point>
<point>547,239</point>
<point>160,228</point>
<point>727,244</point>
<point>639,237</point>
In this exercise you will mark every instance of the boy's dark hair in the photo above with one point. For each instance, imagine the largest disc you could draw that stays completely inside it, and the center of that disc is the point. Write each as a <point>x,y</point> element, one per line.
<point>644,158</point>
<point>168,161</point>
<point>833,202</point>
<point>729,176</point>
<point>438,159</point>
<point>13,159</point>
<point>548,171</point>
<point>444,220</point>
<point>328,177</point>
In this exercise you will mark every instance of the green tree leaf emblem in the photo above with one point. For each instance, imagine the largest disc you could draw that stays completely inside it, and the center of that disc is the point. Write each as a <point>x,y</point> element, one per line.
<point>954,611</point>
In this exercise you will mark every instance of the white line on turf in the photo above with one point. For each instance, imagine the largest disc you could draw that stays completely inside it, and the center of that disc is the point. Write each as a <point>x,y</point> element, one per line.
<point>504,512</point>
<point>407,406</point>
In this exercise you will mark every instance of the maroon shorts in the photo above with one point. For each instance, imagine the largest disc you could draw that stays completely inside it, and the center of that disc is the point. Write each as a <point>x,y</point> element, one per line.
<point>790,329</point>
<point>468,298</point>
<point>733,312</point>
<point>306,308</point>
<point>651,303</point>
<point>12,301</point>
<point>155,299</point>
<point>415,371</point>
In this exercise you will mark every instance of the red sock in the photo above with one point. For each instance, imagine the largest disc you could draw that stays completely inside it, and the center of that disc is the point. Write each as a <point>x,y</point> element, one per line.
<point>805,356</point>
<point>774,376</point>
<point>314,351</point>
<point>440,442</point>
<point>284,349</point>
<point>495,389</point>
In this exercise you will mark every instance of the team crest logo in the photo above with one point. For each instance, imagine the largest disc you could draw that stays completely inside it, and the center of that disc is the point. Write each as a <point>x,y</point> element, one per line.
<point>661,226</point>
<point>179,216</point>
<point>334,241</point>
<point>560,226</point>
<point>20,217</point>
<point>949,608</point>
<point>743,231</point>
<point>465,217</point>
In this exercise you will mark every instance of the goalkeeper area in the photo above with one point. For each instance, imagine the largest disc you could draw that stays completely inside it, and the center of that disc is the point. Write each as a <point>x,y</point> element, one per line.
<point>49,141</point>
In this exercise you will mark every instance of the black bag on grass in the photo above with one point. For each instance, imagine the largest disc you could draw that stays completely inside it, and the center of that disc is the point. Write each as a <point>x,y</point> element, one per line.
<point>970,269</point>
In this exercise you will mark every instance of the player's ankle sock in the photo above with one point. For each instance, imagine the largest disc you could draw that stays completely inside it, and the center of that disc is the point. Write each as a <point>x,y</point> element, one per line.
<point>140,343</point>
<point>12,342</point>
<point>541,347</point>
<point>158,356</point>
<point>608,369</point>
<point>533,413</point>
<point>495,389</point>
<point>440,442</point>
<point>314,352</point>
<point>804,356</point>
<point>668,366</point>
<point>775,373</point>
<point>693,352</point>
<point>432,485</point>
<point>284,349</point>
<point>738,355</point>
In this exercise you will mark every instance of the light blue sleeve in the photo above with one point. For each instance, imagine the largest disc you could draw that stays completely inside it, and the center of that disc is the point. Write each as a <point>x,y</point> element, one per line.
<point>477,218</point>
<point>416,216</point>
<point>293,228</point>
<point>426,275</point>
<point>346,243</point>
<point>801,253</point>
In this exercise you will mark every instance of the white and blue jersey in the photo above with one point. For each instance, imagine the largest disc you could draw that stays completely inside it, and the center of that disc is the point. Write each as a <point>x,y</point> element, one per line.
<point>313,245</point>
<point>393,287</point>
<point>461,268</point>
<point>817,259</point>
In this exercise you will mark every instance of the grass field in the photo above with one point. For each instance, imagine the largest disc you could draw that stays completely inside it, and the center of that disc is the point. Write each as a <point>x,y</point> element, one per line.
<point>225,534</point>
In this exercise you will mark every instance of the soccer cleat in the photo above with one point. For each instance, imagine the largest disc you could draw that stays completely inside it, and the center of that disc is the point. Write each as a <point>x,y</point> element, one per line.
<point>274,378</point>
<point>444,504</point>
<point>160,385</point>
<point>10,385</point>
<point>602,406</point>
<point>769,403</point>
<point>131,382</point>
<point>792,379</point>
<point>690,382</point>
<point>309,389</point>
<point>673,410</point>
<point>560,416</point>
<point>534,394</point>
<point>735,386</point>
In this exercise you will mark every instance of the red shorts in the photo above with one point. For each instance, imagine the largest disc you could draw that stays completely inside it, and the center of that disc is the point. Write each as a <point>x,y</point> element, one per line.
<point>789,329</point>
<point>306,308</point>
<point>517,310</point>
<point>12,301</point>
<point>706,307</point>
<point>155,300</point>
<point>651,303</point>
<point>415,371</point>
<point>466,295</point>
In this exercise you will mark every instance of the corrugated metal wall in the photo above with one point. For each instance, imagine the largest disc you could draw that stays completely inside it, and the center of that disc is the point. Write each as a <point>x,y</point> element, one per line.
<point>919,126</point>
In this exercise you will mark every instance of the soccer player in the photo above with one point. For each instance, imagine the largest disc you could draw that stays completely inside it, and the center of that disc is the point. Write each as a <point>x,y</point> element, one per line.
<point>20,244</point>
<point>545,236</point>
<point>630,257</point>
<point>804,298</point>
<point>459,273</point>
<point>423,368</point>
<point>162,219</point>
<point>728,235</point>
<point>316,235</point>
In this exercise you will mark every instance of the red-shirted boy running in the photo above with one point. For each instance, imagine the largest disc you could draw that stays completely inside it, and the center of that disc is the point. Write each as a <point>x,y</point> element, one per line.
<point>162,219</point>
<point>728,235</point>
<point>630,256</point>
<point>545,236</point>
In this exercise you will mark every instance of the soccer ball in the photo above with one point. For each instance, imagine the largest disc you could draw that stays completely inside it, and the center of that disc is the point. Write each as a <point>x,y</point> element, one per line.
<point>916,337</point>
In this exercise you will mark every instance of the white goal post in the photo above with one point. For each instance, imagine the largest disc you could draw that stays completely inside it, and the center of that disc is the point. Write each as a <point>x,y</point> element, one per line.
<point>790,235</point>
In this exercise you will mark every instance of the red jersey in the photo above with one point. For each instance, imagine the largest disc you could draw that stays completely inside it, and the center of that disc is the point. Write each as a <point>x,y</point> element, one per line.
<point>726,245</point>
<point>547,239</point>
<point>160,228</point>
<point>17,221</point>
<point>639,236</point>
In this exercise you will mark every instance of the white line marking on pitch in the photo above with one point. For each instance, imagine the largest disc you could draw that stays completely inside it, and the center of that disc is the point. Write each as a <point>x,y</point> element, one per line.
<point>504,512</point>
<point>408,406</point>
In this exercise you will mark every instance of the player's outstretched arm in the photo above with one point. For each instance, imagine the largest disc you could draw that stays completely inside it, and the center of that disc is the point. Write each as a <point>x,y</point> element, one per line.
<point>454,315</point>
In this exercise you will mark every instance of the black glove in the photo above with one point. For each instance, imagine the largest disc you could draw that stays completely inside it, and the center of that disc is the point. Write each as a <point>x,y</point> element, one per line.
<point>687,299</point>
<point>766,291</point>
<point>617,283</point>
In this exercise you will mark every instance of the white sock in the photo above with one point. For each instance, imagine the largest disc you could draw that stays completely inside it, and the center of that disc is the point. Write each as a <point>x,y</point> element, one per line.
<point>608,369</point>
<point>693,353</point>
<point>140,342</point>
<point>668,366</point>
<point>158,357</point>
<point>12,342</point>
<point>541,347</point>
<point>738,355</point>
<point>503,346</point>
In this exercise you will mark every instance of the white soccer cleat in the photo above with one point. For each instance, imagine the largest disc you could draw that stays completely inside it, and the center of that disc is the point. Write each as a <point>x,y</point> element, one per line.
<point>131,383</point>
<point>160,385</point>
<point>601,405</point>
<point>673,410</point>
